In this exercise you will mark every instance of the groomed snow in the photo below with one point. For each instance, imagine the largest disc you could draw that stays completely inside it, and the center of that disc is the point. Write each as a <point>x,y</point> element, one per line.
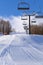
<point>21,49</point>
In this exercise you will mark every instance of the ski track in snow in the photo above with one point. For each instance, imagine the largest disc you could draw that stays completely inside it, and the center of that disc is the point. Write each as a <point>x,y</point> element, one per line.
<point>21,49</point>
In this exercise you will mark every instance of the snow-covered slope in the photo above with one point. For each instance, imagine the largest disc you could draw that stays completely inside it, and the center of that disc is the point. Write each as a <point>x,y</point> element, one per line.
<point>21,49</point>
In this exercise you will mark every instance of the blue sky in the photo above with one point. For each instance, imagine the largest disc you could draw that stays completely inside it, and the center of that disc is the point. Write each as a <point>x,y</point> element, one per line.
<point>9,7</point>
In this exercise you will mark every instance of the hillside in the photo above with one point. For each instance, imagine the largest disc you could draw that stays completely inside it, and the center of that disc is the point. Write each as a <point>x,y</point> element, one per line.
<point>21,49</point>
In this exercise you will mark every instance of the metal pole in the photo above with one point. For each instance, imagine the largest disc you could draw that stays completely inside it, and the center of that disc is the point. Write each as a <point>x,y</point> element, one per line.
<point>29,26</point>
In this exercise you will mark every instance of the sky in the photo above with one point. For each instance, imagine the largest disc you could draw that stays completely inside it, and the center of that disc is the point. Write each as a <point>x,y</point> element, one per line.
<point>9,11</point>
<point>9,7</point>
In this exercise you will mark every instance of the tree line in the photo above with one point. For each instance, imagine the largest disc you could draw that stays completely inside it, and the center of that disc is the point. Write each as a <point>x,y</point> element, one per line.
<point>5,27</point>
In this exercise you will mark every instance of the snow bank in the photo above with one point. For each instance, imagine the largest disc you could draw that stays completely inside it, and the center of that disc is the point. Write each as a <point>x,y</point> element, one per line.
<point>21,49</point>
